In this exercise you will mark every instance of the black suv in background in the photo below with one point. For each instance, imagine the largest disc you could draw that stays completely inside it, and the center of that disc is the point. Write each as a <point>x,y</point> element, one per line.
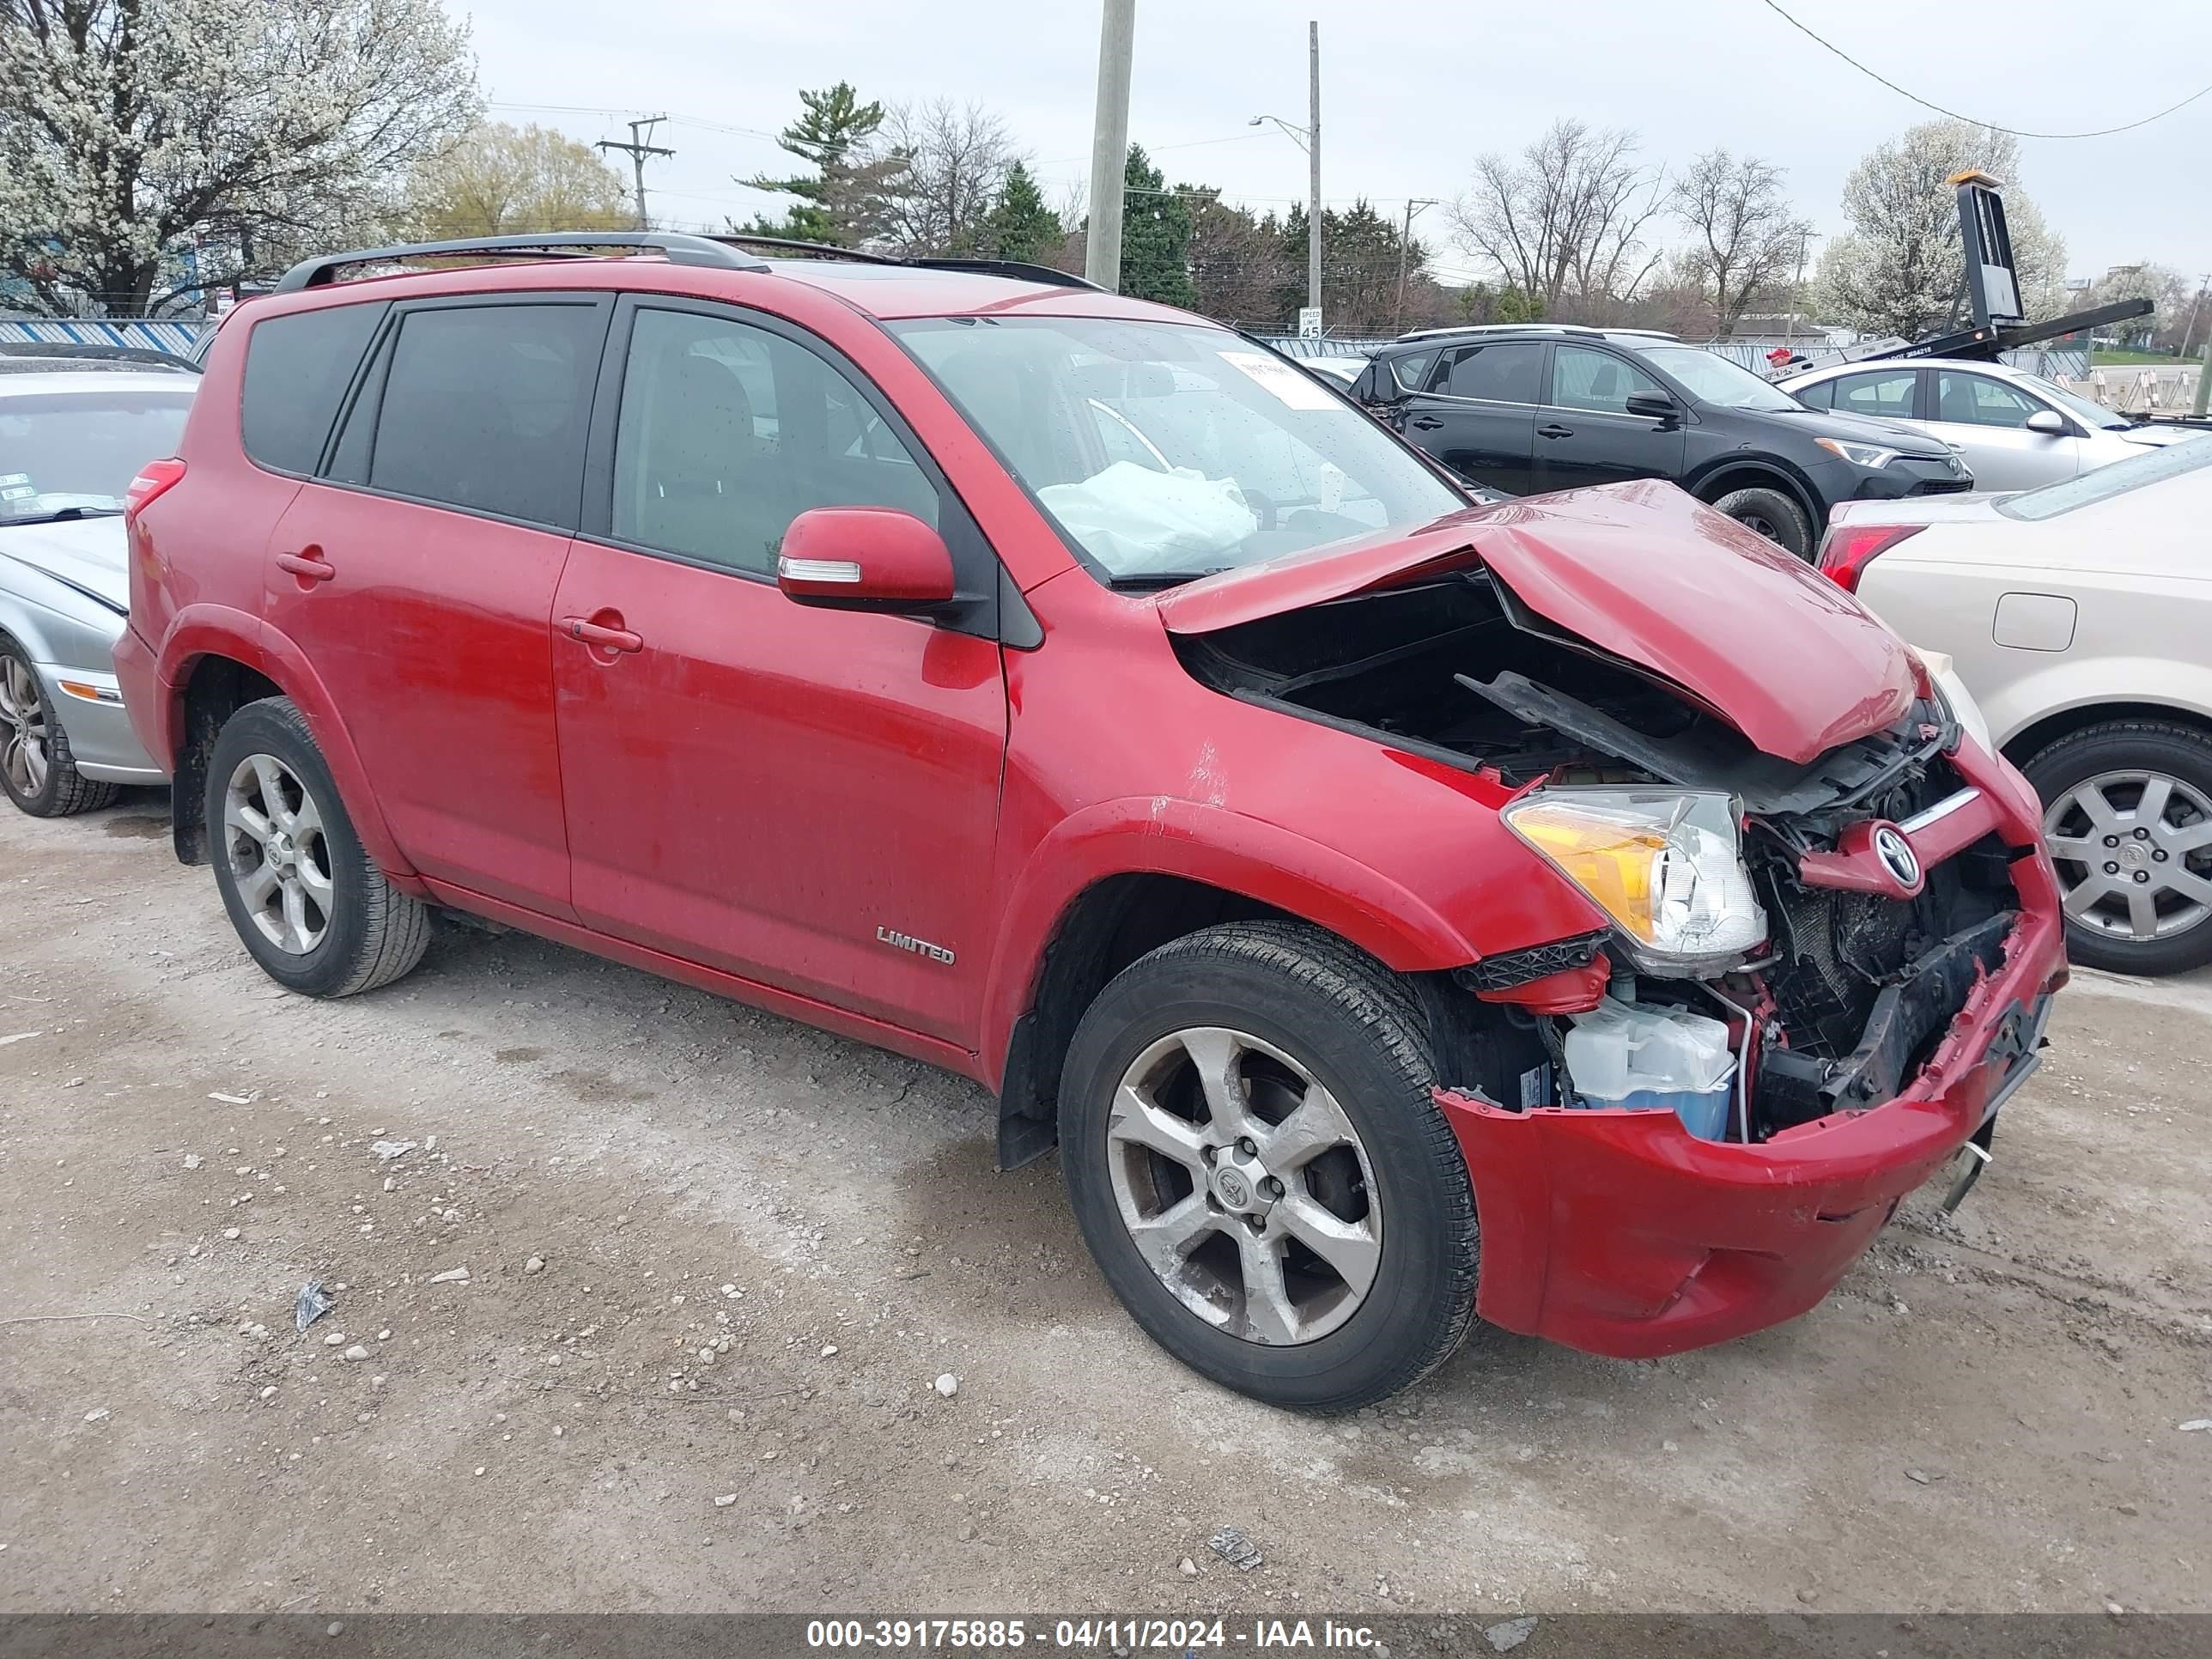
<point>1534,407</point>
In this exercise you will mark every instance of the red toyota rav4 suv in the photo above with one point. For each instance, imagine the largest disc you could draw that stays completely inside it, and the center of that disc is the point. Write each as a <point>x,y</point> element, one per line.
<point>1574,911</point>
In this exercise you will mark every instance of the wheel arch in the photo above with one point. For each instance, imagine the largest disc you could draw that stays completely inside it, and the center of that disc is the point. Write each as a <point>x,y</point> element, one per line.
<point>2032,740</point>
<point>1102,891</point>
<point>210,668</point>
<point>1760,473</point>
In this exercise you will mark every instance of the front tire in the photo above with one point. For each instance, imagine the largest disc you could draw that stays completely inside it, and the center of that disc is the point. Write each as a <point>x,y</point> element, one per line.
<point>1772,514</point>
<point>1254,1154</point>
<point>2128,818</point>
<point>36,768</point>
<point>309,903</point>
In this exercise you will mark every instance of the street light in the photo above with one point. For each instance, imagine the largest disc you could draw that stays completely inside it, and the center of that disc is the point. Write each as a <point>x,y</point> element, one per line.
<point>1309,141</point>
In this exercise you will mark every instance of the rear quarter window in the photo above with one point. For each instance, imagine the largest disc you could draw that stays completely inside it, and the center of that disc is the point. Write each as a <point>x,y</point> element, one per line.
<point>297,368</point>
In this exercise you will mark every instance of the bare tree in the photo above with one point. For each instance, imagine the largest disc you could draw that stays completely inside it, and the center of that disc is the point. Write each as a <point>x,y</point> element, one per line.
<point>1565,218</point>
<point>1747,239</point>
<point>953,160</point>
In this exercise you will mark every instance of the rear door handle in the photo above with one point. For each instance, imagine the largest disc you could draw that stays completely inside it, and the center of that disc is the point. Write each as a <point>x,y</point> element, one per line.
<point>607,639</point>
<point>306,567</point>
<point>1426,423</point>
<point>1555,430</point>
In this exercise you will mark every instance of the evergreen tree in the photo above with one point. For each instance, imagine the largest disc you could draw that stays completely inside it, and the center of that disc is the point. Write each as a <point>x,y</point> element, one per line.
<point>1155,229</point>
<point>1020,225</point>
<point>832,136</point>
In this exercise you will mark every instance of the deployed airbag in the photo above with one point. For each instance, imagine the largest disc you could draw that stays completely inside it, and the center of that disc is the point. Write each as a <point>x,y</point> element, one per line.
<point>1134,519</point>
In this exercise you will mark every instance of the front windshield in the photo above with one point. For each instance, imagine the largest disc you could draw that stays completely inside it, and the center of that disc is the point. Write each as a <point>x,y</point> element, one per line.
<point>76,451</point>
<point>1713,378</point>
<point>2121,477</point>
<point>2090,414</point>
<point>1164,450</point>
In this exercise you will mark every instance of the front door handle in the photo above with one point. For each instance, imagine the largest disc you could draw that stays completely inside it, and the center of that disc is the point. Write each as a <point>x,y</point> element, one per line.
<point>306,566</point>
<point>1426,423</point>
<point>1555,430</point>
<point>607,639</point>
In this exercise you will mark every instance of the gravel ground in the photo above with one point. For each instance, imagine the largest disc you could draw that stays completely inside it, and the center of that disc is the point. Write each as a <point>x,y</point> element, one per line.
<point>716,1264</point>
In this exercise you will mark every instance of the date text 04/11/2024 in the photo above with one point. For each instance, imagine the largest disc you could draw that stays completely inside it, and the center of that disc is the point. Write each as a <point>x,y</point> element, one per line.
<point>1173,1635</point>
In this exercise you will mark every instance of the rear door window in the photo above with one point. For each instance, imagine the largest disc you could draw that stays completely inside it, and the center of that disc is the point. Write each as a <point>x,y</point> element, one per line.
<point>1886,393</point>
<point>297,368</point>
<point>1509,373</point>
<point>486,408</point>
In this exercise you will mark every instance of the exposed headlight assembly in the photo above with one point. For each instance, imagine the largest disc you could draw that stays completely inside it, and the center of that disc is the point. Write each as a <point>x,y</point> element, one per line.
<point>1871,455</point>
<point>1663,864</point>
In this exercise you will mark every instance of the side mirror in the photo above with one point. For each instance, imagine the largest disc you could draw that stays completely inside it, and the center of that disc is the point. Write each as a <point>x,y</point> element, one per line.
<point>2049,422</point>
<point>864,559</point>
<point>1656,405</point>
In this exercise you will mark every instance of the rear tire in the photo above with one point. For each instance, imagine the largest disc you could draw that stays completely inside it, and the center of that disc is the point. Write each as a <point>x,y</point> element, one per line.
<point>310,905</point>
<point>36,768</point>
<point>2111,769</point>
<point>1772,514</point>
<point>1299,1025</point>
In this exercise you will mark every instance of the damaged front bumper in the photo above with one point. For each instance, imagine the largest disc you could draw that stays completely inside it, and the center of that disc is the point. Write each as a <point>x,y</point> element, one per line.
<point>1619,1233</point>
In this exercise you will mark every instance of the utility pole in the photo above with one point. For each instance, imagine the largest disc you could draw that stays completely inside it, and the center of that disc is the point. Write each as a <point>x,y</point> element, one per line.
<point>1313,166</point>
<point>1110,143</point>
<point>2197,404</point>
<point>637,150</point>
<point>2196,310</point>
<point>1413,205</point>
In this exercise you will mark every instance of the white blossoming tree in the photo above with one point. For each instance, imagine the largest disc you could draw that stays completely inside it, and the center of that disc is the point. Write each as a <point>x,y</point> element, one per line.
<point>133,131</point>
<point>1897,269</point>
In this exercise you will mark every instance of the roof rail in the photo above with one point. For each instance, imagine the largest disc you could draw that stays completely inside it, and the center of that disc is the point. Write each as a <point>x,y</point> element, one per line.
<point>1019,270</point>
<point>791,245</point>
<point>566,244</point>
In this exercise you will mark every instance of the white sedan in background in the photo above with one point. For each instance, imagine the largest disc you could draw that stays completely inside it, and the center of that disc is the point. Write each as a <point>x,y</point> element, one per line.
<point>2080,616</point>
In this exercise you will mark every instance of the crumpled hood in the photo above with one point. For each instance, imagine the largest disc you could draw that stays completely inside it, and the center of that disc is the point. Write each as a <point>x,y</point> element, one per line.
<point>1642,571</point>
<point>90,555</point>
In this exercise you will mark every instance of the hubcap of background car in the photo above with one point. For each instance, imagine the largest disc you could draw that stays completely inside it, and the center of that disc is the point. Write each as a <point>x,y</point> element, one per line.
<point>272,833</point>
<point>1244,1186</point>
<point>22,727</point>
<point>2134,851</point>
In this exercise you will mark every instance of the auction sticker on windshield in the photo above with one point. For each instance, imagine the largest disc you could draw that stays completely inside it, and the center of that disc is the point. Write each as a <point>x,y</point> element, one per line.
<point>1279,378</point>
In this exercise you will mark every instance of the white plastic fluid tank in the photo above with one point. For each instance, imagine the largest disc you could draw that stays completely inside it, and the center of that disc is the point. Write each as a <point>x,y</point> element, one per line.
<point>1654,1059</point>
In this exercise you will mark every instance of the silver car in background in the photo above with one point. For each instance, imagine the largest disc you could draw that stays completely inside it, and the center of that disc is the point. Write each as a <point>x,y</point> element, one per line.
<point>71,438</point>
<point>2013,430</point>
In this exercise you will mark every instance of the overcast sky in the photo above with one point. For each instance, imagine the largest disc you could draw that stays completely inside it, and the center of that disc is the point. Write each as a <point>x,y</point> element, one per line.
<point>1411,90</point>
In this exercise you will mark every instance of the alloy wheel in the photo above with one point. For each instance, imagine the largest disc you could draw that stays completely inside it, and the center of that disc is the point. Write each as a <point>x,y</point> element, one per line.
<point>24,756</point>
<point>1244,1186</point>
<point>2134,851</point>
<point>280,858</point>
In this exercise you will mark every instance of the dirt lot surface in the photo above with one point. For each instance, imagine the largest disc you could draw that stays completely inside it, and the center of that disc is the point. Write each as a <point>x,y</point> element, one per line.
<point>758,1247</point>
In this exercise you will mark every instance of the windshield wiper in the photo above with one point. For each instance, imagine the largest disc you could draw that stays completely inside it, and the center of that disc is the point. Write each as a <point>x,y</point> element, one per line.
<point>1144,579</point>
<point>65,515</point>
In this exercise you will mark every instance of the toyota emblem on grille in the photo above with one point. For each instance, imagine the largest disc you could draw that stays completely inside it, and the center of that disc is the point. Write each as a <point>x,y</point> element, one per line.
<point>1896,856</point>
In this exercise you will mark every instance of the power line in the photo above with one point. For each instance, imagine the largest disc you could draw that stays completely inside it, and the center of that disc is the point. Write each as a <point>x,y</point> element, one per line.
<point>2017,132</point>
